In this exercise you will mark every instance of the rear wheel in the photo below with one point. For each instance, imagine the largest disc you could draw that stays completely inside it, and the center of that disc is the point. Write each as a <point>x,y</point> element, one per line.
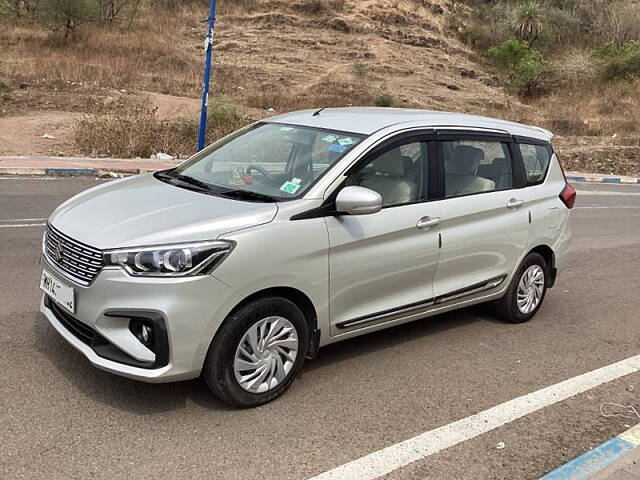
<point>526,292</point>
<point>257,352</point>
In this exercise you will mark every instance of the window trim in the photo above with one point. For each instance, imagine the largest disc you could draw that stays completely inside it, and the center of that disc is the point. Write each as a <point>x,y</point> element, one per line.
<point>530,140</point>
<point>506,139</point>
<point>461,134</point>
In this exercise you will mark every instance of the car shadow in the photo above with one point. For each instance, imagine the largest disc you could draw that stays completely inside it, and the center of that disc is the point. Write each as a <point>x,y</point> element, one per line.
<point>391,337</point>
<point>149,399</point>
<point>115,391</point>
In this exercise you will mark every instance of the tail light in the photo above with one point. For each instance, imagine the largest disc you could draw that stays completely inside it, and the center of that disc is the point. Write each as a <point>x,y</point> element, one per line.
<point>568,196</point>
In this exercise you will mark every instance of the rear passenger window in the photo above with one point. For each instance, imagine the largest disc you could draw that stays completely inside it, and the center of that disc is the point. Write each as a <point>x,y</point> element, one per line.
<point>476,166</point>
<point>536,161</point>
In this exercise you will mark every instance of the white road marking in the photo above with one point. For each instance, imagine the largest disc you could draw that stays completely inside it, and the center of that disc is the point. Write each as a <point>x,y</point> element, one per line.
<point>401,454</point>
<point>605,193</point>
<point>22,225</point>
<point>4,220</point>
<point>593,207</point>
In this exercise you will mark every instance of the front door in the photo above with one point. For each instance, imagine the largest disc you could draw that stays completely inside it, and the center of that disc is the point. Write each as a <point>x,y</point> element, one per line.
<point>381,266</point>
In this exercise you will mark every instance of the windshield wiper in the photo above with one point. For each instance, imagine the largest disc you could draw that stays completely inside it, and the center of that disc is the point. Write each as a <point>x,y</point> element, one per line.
<point>249,195</point>
<point>192,181</point>
<point>173,178</point>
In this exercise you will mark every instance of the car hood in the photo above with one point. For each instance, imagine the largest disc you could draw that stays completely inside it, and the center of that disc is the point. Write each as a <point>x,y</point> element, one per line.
<point>143,210</point>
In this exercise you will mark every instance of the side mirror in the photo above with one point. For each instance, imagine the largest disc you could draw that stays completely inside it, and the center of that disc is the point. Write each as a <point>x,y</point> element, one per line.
<point>358,201</point>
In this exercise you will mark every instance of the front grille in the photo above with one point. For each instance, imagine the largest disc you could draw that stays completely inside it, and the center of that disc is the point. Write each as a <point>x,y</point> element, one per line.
<point>79,261</point>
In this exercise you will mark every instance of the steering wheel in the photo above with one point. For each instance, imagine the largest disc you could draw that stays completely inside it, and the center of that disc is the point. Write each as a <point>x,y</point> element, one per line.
<point>261,170</point>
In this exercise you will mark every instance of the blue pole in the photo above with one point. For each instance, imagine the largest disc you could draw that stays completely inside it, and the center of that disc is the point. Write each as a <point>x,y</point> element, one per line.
<point>207,75</point>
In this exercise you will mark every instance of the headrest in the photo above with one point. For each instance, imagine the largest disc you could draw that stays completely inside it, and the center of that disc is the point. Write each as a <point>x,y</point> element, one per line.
<point>499,162</point>
<point>465,160</point>
<point>497,167</point>
<point>390,163</point>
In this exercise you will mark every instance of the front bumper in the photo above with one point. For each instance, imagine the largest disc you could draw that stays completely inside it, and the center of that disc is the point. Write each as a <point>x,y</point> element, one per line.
<point>191,309</point>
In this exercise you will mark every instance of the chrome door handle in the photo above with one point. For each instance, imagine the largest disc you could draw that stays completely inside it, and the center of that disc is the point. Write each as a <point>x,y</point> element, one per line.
<point>515,203</point>
<point>427,222</point>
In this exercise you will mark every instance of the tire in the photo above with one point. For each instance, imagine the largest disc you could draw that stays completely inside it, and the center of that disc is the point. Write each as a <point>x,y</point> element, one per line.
<point>507,307</point>
<point>223,368</point>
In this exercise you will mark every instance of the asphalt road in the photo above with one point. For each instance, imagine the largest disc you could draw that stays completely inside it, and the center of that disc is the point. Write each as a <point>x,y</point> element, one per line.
<point>61,418</point>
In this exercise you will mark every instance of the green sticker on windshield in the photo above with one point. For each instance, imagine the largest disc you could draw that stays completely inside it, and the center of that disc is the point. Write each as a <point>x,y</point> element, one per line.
<point>345,141</point>
<point>290,187</point>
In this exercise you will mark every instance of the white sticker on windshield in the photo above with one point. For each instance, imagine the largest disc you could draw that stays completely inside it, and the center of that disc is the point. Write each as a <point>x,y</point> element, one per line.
<point>345,141</point>
<point>286,129</point>
<point>290,187</point>
<point>330,138</point>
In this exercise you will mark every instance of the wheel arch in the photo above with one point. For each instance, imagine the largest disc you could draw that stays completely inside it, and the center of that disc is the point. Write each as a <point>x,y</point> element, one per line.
<point>550,259</point>
<point>300,299</point>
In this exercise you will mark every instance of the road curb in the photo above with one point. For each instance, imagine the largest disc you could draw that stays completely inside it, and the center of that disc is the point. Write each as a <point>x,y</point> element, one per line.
<point>601,179</point>
<point>74,172</point>
<point>594,461</point>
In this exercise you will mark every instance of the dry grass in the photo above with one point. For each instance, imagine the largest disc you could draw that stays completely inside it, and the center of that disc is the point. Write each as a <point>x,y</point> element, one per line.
<point>143,58</point>
<point>335,93</point>
<point>594,110</point>
<point>135,131</point>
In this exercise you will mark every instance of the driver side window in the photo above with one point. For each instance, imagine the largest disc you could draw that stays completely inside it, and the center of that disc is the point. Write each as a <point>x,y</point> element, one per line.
<point>397,174</point>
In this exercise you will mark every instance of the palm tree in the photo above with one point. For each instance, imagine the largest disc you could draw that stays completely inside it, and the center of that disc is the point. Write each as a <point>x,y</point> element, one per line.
<point>528,21</point>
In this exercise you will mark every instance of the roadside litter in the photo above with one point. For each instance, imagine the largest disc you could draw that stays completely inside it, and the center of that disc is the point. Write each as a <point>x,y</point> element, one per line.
<point>616,410</point>
<point>163,156</point>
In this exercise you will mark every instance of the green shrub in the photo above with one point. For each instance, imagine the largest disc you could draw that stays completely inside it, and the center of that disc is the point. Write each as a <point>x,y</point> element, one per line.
<point>384,100</point>
<point>526,68</point>
<point>619,62</point>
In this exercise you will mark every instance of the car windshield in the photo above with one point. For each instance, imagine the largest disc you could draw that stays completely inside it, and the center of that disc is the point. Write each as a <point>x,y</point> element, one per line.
<point>265,162</point>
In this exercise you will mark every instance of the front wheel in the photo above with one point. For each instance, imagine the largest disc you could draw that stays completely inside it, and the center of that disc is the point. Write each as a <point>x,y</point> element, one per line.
<point>526,292</point>
<point>257,352</point>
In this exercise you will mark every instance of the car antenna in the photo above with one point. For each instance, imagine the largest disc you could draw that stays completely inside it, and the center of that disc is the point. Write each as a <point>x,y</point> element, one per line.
<point>317,112</point>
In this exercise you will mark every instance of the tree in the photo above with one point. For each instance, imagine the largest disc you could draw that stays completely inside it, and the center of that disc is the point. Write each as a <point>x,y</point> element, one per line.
<point>118,11</point>
<point>525,67</point>
<point>68,14</point>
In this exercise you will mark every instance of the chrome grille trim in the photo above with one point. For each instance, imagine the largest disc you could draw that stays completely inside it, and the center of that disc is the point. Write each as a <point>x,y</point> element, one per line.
<point>81,263</point>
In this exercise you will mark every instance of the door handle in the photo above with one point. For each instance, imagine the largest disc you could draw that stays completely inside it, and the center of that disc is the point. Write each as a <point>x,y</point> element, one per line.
<point>427,222</point>
<point>515,203</point>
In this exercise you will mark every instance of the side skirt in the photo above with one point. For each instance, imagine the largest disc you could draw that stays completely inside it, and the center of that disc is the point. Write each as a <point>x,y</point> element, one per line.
<point>423,307</point>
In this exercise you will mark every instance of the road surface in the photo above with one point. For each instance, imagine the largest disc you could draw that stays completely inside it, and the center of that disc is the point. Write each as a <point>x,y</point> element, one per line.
<point>61,418</point>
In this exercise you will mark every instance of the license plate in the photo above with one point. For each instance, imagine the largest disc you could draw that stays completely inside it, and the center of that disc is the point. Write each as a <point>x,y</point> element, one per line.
<point>58,291</point>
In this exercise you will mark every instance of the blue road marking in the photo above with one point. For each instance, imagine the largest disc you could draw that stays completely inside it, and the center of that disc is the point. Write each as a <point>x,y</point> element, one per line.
<point>586,465</point>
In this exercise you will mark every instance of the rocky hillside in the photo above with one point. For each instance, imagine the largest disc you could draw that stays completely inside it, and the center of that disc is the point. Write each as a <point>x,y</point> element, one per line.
<point>270,55</point>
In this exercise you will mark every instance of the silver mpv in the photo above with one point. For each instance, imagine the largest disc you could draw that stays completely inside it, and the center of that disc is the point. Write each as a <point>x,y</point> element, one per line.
<point>300,231</point>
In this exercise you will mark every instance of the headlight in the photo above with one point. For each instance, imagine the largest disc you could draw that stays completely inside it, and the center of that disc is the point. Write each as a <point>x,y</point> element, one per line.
<point>178,260</point>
